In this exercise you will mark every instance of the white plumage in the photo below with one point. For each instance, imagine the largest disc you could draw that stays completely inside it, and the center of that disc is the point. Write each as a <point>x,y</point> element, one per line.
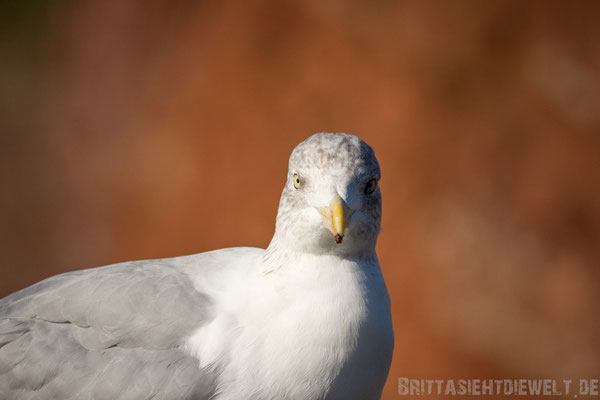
<point>308,318</point>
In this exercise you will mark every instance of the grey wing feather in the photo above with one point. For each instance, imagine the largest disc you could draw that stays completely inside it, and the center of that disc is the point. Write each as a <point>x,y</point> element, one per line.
<point>105,333</point>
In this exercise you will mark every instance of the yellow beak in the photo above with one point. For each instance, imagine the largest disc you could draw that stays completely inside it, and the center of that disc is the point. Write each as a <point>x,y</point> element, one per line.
<point>338,218</point>
<point>335,218</point>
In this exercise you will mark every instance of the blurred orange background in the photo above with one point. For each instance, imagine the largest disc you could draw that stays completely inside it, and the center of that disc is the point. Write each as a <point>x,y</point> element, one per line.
<point>146,129</point>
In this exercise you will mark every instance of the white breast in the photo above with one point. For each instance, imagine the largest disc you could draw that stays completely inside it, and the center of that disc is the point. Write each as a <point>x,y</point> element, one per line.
<point>318,326</point>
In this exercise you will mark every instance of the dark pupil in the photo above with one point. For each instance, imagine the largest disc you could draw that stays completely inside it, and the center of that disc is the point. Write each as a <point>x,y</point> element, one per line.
<point>297,180</point>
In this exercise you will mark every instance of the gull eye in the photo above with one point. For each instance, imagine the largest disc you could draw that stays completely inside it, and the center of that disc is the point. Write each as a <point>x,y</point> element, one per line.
<point>296,181</point>
<point>371,186</point>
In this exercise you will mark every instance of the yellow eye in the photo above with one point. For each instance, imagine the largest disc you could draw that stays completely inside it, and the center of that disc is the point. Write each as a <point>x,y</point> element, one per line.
<point>371,186</point>
<point>296,181</point>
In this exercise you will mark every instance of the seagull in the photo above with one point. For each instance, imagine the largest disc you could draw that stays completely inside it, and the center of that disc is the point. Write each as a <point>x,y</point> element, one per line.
<point>307,318</point>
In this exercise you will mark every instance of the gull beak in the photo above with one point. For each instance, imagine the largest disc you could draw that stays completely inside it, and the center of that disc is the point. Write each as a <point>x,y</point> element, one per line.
<point>335,218</point>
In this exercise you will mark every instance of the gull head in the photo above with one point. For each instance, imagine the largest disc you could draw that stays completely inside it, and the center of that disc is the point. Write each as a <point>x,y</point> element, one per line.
<point>331,202</point>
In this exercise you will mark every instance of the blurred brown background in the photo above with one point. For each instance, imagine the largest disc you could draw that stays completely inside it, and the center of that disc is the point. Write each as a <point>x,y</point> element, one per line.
<point>133,130</point>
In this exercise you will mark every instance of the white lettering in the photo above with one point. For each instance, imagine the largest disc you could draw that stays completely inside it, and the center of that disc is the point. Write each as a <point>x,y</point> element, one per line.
<point>402,386</point>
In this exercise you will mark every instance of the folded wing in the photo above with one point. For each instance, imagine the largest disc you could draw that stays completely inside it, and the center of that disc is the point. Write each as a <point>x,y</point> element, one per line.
<point>105,333</point>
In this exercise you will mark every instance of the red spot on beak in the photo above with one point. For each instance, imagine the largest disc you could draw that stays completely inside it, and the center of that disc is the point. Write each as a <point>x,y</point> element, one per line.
<point>338,238</point>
